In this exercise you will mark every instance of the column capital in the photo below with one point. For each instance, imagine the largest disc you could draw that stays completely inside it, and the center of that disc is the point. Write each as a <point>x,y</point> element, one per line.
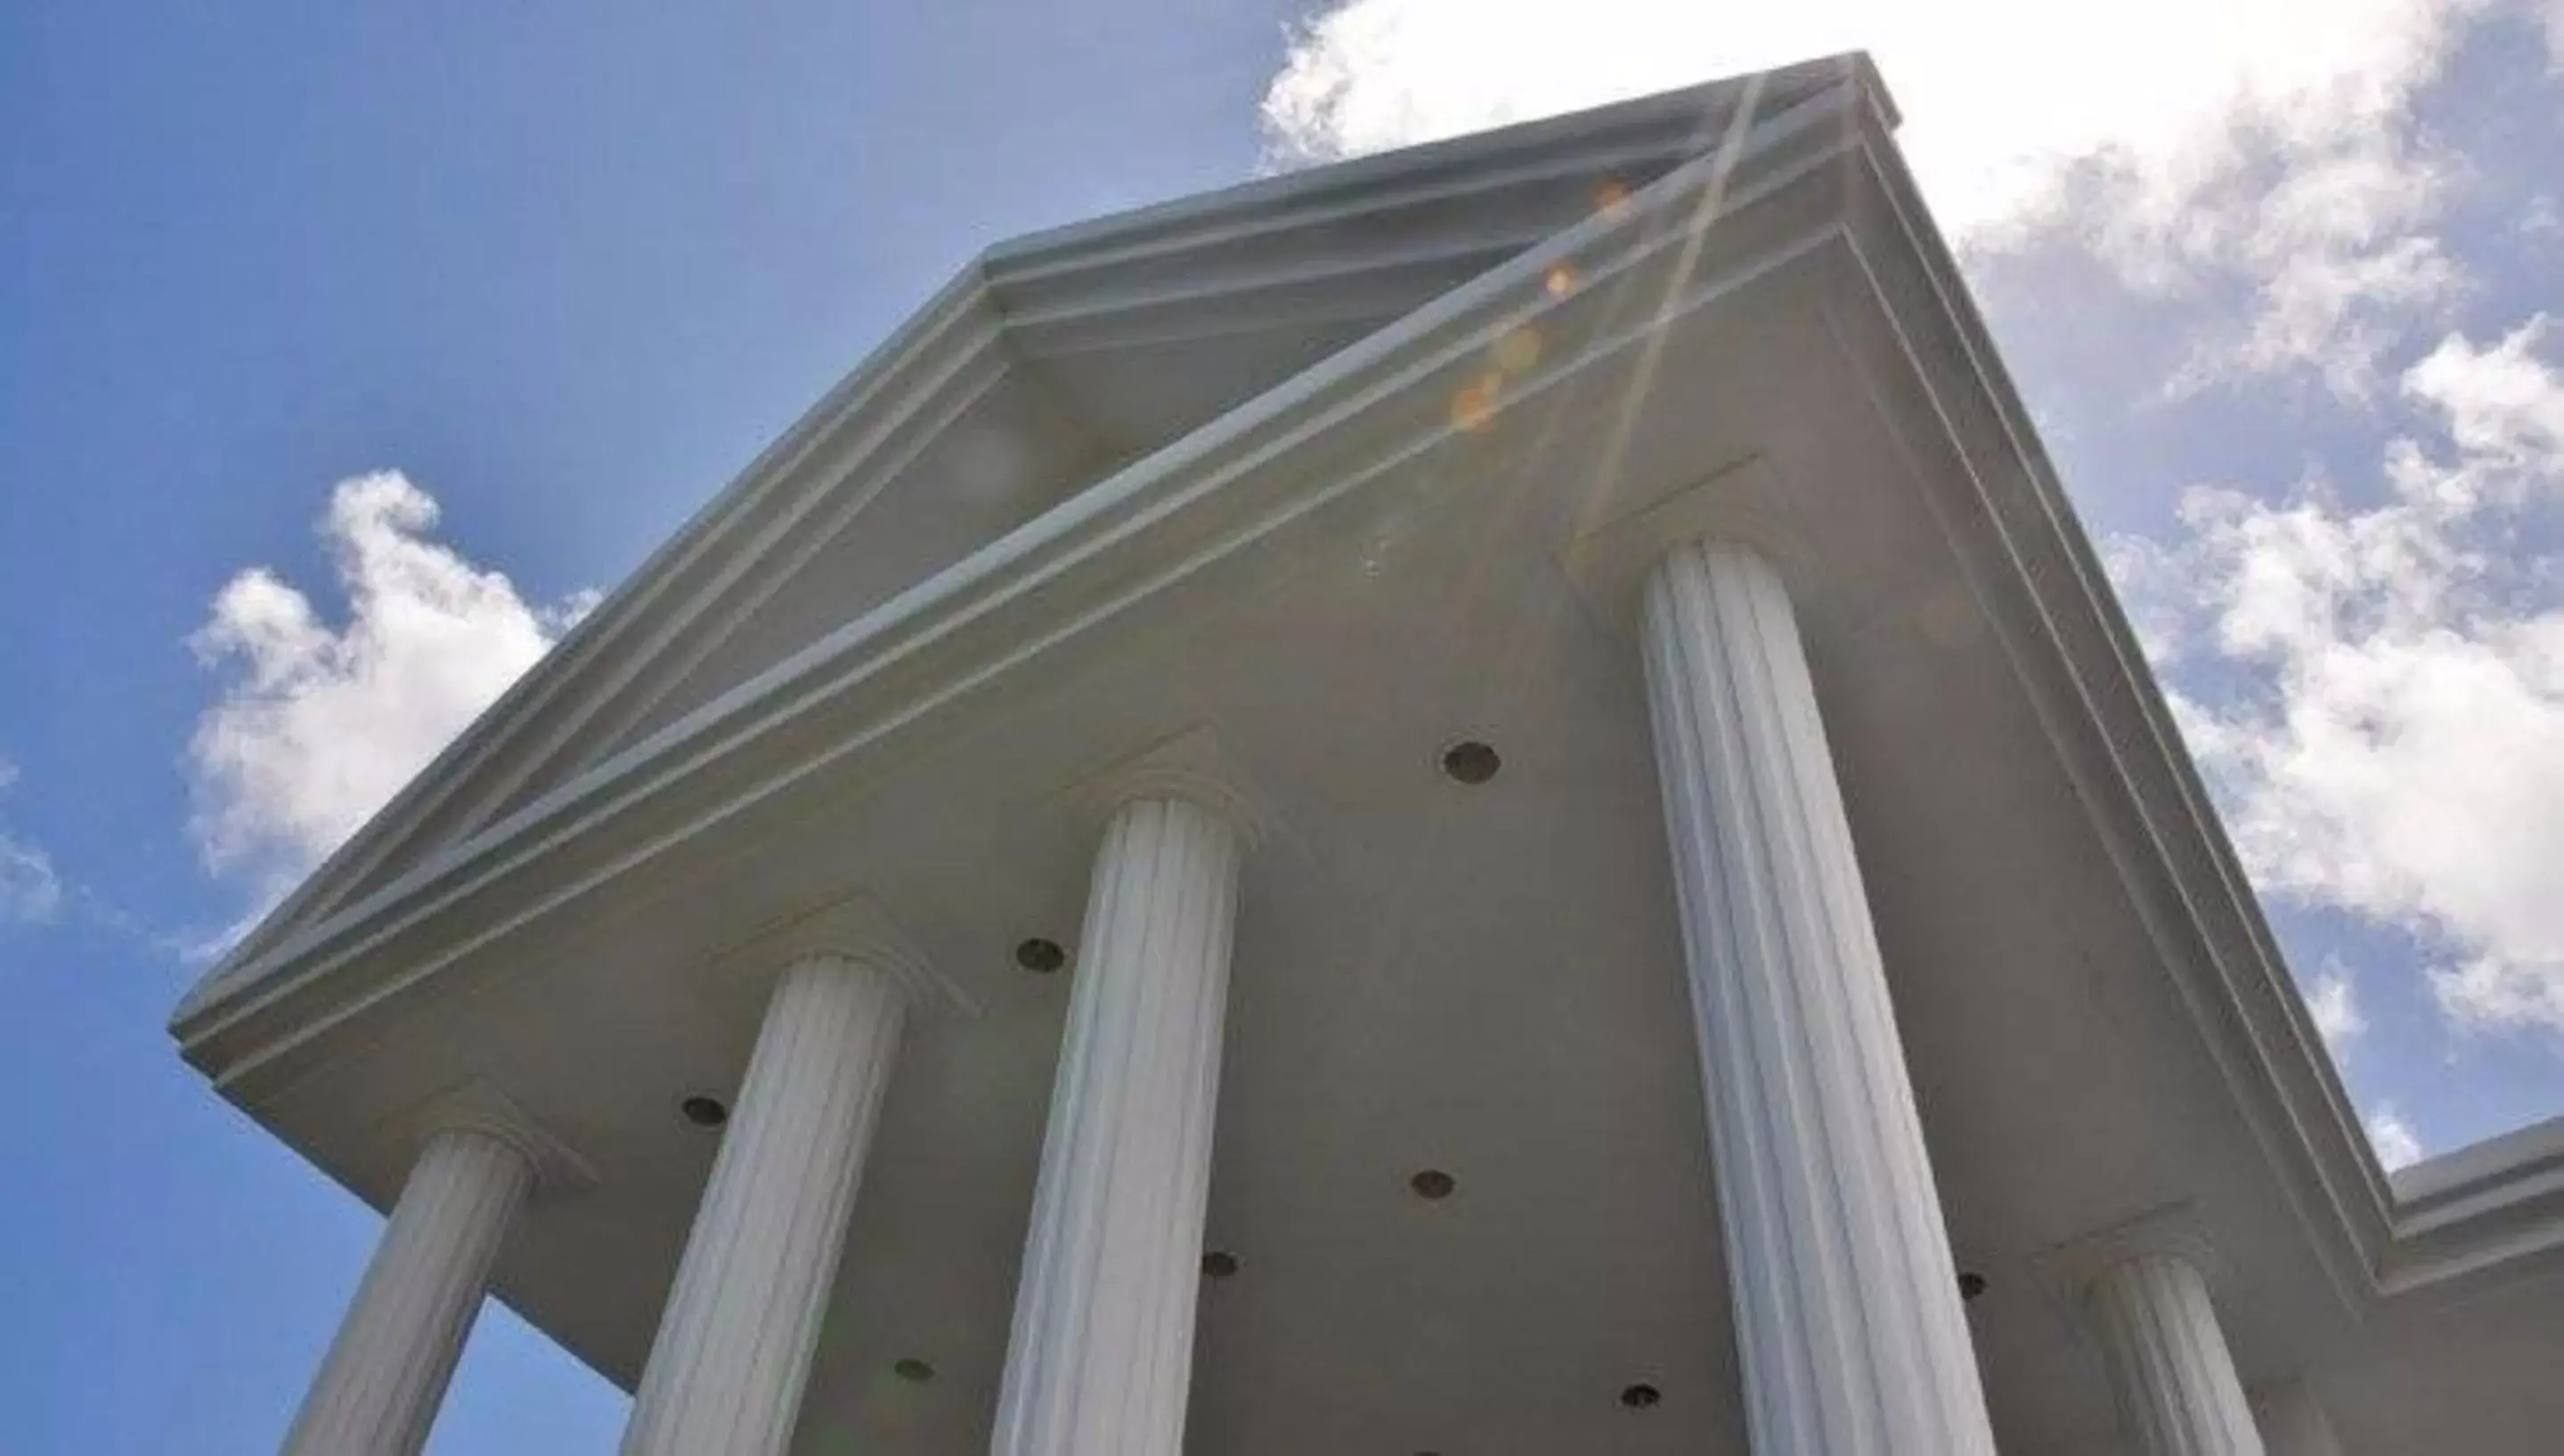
<point>1741,504</point>
<point>853,928</point>
<point>1190,767</point>
<point>2148,1308</point>
<point>2174,1231</point>
<point>477,1106</point>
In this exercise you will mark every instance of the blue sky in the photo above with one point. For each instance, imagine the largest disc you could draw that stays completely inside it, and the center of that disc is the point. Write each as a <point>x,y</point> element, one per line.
<point>2274,274</point>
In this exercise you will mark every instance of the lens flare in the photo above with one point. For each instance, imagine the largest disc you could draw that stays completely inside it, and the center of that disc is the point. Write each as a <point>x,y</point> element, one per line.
<point>1474,407</point>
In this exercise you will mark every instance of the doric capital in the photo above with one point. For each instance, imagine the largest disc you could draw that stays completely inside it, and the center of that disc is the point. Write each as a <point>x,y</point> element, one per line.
<point>477,1106</point>
<point>1610,558</point>
<point>853,928</point>
<point>2174,1231</point>
<point>1192,767</point>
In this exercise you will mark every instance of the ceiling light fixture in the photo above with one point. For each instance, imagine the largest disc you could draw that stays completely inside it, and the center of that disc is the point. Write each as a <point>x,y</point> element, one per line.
<point>1471,762</point>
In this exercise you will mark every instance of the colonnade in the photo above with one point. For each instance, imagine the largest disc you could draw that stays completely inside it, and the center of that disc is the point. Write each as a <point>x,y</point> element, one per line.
<point>1845,1299</point>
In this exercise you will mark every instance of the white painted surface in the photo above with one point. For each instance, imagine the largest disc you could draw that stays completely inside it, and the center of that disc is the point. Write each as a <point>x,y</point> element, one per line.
<point>385,1375</point>
<point>1101,1356</point>
<point>2293,1422</point>
<point>732,1354</point>
<point>1845,1297</point>
<point>2176,1382</point>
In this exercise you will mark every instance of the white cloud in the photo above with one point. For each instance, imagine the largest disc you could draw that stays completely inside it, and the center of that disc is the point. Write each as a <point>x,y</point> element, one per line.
<point>2334,236</point>
<point>316,725</point>
<point>2334,1004</point>
<point>30,890</point>
<point>2197,146</point>
<point>2393,1139</point>
<point>2400,753</point>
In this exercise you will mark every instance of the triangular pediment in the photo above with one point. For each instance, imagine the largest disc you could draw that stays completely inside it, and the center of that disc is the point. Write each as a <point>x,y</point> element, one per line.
<point>1048,364</point>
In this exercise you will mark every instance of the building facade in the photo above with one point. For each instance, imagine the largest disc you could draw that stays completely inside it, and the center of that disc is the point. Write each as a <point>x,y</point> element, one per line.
<point>1478,801</point>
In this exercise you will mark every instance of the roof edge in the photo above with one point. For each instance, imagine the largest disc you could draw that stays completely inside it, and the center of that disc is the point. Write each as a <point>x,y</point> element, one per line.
<point>1696,113</point>
<point>625,608</point>
<point>2427,1228</point>
<point>646,592</point>
<point>1371,365</point>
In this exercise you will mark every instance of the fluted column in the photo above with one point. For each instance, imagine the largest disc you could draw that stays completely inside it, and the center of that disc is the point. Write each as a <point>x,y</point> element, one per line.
<point>1844,1293</point>
<point>379,1386</point>
<point>2293,1422</point>
<point>1100,1356</point>
<point>2176,1382</point>
<point>733,1353</point>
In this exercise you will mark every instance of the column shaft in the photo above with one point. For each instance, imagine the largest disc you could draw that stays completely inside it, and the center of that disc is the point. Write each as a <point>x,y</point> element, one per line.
<point>379,1386</point>
<point>1100,1355</point>
<point>1842,1289</point>
<point>733,1353</point>
<point>2176,1382</point>
<point>2293,1422</point>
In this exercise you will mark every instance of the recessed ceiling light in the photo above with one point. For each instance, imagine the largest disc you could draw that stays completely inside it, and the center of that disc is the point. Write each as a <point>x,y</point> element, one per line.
<point>1040,956</point>
<point>705,1112</point>
<point>1971,1284</point>
<point>1433,1184</point>
<point>912,1369</point>
<point>1471,762</point>
<point>1219,1263</point>
<point>1640,1396</point>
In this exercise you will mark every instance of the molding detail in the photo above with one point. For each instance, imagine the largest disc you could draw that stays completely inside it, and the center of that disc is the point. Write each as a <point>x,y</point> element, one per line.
<point>855,927</point>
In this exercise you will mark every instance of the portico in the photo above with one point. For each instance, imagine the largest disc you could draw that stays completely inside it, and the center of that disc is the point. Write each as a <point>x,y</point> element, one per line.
<point>1514,739</point>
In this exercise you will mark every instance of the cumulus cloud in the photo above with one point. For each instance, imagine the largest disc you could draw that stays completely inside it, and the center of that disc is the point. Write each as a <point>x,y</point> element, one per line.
<point>316,724</point>
<point>2399,752</point>
<point>2334,1004</point>
<point>2200,147</point>
<point>2393,1139</point>
<point>30,890</point>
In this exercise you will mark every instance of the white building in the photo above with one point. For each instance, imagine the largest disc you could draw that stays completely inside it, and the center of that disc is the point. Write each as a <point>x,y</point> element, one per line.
<point>1482,801</point>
